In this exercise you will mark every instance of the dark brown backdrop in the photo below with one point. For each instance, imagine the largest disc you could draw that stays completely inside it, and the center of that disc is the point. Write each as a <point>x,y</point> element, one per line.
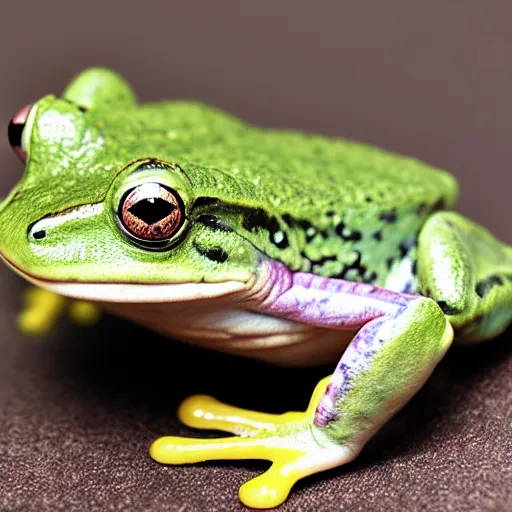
<point>431,79</point>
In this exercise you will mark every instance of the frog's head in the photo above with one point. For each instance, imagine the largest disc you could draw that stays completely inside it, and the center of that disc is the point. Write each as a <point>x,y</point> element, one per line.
<point>105,207</point>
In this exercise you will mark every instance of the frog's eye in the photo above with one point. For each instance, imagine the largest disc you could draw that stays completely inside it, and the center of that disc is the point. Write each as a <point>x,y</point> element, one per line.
<point>15,132</point>
<point>151,213</point>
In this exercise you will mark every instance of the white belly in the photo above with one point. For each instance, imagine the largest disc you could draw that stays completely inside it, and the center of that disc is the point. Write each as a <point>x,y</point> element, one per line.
<point>218,325</point>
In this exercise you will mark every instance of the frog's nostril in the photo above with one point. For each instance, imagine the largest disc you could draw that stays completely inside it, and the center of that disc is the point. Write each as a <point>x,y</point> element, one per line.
<point>39,235</point>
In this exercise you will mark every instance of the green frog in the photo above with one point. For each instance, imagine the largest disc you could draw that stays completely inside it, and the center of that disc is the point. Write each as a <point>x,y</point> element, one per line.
<point>291,248</point>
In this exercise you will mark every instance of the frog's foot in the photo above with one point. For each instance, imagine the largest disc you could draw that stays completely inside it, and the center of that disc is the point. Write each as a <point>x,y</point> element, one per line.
<point>294,445</point>
<point>84,313</point>
<point>43,309</point>
<point>41,312</point>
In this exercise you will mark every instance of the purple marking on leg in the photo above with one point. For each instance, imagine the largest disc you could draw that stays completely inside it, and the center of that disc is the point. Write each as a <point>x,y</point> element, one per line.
<point>356,358</point>
<point>323,301</point>
<point>335,304</point>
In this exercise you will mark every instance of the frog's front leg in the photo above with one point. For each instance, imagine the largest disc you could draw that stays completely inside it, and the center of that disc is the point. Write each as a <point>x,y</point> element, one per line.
<point>400,340</point>
<point>43,309</point>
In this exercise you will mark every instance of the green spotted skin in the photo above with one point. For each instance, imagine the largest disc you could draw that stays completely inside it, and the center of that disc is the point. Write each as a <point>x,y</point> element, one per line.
<point>328,206</point>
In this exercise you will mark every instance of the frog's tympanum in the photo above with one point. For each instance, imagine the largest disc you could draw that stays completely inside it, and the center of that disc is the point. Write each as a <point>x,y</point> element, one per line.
<point>291,248</point>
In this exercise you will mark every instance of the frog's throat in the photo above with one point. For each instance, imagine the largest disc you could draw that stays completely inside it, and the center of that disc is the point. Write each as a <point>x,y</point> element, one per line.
<point>142,293</point>
<point>136,292</point>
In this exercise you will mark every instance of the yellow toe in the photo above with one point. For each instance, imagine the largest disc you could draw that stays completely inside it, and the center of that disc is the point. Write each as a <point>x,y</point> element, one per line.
<point>268,490</point>
<point>206,412</point>
<point>185,450</point>
<point>43,308</point>
<point>84,313</point>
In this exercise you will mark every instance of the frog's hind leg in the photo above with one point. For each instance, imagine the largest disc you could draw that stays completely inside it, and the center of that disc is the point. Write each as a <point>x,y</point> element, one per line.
<point>468,273</point>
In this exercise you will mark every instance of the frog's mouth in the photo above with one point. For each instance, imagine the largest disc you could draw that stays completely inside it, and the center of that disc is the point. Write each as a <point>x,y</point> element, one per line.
<point>118,292</point>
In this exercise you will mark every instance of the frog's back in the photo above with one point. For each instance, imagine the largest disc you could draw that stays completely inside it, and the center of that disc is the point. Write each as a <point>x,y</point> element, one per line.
<point>300,170</point>
<point>345,174</point>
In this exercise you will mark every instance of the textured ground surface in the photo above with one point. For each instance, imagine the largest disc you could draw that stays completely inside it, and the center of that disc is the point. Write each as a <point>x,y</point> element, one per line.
<point>79,408</point>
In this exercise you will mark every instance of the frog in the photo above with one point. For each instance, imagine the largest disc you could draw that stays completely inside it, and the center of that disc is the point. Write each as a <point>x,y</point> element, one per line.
<point>291,248</point>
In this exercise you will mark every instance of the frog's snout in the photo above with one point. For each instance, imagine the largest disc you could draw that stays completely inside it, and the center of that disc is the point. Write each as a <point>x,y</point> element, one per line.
<point>15,131</point>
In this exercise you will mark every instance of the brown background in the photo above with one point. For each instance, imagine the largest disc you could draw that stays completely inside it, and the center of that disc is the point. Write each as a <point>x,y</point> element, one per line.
<point>431,79</point>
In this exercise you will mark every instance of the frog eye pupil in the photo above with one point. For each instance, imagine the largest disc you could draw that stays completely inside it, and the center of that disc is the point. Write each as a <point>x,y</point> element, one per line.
<point>151,212</point>
<point>14,132</point>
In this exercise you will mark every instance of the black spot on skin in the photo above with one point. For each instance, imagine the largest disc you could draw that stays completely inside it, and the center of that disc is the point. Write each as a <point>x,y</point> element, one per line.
<point>414,268</point>
<point>368,199</point>
<point>389,263</point>
<point>360,270</point>
<point>305,226</point>
<point>309,237</point>
<point>39,235</point>
<point>319,262</point>
<point>82,109</point>
<point>448,309</point>
<point>331,213</point>
<point>440,204</point>
<point>258,218</point>
<point>390,217</point>
<point>213,222</point>
<point>485,286</point>
<point>406,246</point>
<point>354,236</point>
<point>378,236</point>
<point>216,254</point>
<point>289,220</point>
<point>296,223</point>
<point>422,208</point>
<point>403,250</point>
<point>371,278</point>
<point>283,243</point>
<point>204,201</point>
